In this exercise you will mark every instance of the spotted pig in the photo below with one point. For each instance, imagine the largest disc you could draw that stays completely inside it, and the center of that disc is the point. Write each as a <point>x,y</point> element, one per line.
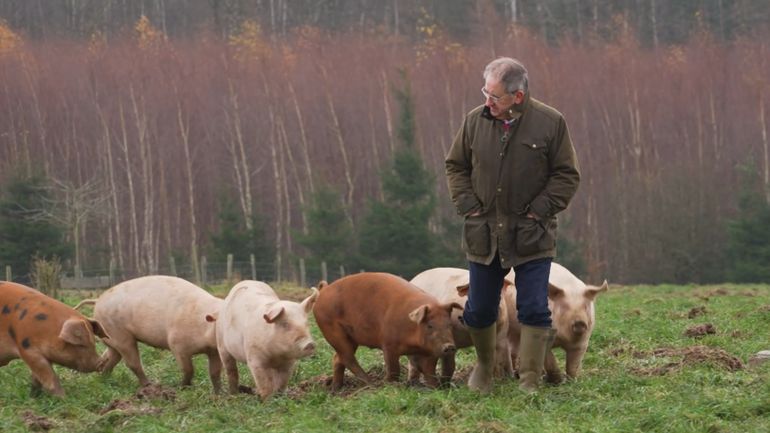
<point>43,331</point>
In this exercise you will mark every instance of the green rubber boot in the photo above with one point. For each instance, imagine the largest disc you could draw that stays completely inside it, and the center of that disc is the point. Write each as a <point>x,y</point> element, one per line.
<point>535,341</point>
<point>482,374</point>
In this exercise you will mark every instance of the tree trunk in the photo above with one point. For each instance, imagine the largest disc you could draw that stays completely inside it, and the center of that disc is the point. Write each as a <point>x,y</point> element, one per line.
<point>116,252</point>
<point>303,139</point>
<point>237,148</point>
<point>184,134</point>
<point>148,186</point>
<point>133,226</point>
<point>343,150</point>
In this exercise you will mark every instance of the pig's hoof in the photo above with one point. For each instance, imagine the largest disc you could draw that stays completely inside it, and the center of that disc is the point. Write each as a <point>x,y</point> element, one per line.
<point>554,379</point>
<point>243,389</point>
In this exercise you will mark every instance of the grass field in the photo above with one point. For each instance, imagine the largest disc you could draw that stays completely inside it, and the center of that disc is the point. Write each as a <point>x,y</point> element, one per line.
<point>648,369</point>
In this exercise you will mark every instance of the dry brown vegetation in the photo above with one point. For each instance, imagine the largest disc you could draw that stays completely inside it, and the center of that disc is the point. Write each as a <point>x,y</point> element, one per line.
<point>165,127</point>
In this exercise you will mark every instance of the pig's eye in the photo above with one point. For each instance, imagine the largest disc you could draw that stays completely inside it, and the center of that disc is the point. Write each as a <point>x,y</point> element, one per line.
<point>430,326</point>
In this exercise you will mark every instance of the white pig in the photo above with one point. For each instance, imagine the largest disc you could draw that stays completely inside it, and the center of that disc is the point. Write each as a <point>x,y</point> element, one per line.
<point>161,311</point>
<point>451,285</point>
<point>571,302</point>
<point>268,334</point>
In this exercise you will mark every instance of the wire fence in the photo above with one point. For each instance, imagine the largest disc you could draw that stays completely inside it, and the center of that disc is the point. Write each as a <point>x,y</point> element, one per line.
<point>209,273</point>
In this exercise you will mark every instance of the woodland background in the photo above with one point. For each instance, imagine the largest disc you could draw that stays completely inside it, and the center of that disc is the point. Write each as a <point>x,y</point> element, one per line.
<point>134,131</point>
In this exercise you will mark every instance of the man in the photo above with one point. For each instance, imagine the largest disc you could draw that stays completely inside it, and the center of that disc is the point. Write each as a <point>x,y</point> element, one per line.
<point>510,170</point>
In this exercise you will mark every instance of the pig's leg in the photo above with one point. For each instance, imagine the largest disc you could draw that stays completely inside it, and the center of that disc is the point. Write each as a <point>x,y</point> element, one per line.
<point>215,370</point>
<point>130,353</point>
<point>504,367</point>
<point>338,369</point>
<point>184,360</point>
<point>263,378</point>
<point>231,368</point>
<point>281,378</point>
<point>574,361</point>
<point>392,366</point>
<point>414,371</point>
<point>346,352</point>
<point>427,365</point>
<point>553,373</point>
<point>42,374</point>
<point>447,369</point>
<point>108,360</point>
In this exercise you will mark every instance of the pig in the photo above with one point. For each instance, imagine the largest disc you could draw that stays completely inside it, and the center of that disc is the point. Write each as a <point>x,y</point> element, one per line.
<point>380,310</point>
<point>451,285</point>
<point>571,302</point>
<point>163,312</point>
<point>43,331</point>
<point>268,334</point>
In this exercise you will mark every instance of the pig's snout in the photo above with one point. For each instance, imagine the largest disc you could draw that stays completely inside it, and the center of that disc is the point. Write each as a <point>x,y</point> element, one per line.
<point>579,327</point>
<point>448,349</point>
<point>306,347</point>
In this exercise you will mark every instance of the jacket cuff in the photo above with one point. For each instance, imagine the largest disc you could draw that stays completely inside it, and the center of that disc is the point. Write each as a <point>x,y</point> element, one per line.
<point>467,204</point>
<point>540,207</point>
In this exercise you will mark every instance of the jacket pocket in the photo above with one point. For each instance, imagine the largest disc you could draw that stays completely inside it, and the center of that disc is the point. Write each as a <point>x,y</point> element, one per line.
<point>476,236</point>
<point>533,236</point>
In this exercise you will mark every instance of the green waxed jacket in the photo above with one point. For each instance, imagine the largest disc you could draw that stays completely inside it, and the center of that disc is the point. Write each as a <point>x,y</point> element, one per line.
<point>532,169</point>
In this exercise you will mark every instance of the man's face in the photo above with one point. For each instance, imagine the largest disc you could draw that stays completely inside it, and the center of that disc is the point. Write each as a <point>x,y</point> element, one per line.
<point>498,100</point>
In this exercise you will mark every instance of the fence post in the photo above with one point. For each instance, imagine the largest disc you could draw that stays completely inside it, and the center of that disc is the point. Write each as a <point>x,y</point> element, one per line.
<point>112,272</point>
<point>78,272</point>
<point>204,265</point>
<point>8,275</point>
<point>172,265</point>
<point>302,276</point>
<point>229,267</point>
<point>324,274</point>
<point>253,266</point>
<point>342,271</point>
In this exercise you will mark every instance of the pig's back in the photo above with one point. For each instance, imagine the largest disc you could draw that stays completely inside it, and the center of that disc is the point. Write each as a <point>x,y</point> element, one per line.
<point>562,278</point>
<point>442,283</point>
<point>368,297</point>
<point>148,307</point>
<point>30,313</point>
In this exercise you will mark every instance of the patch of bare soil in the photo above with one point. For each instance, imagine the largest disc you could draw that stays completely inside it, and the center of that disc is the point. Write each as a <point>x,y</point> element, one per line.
<point>36,422</point>
<point>351,385</point>
<point>128,407</point>
<point>764,309</point>
<point>154,391</point>
<point>135,406</point>
<point>721,291</point>
<point>688,356</point>
<point>698,331</point>
<point>696,311</point>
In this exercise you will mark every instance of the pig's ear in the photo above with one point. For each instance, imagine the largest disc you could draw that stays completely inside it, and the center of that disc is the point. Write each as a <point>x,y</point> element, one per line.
<point>322,284</point>
<point>554,292</point>
<point>462,290</point>
<point>98,329</point>
<point>419,314</point>
<point>308,303</point>
<point>273,314</point>
<point>75,331</point>
<point>452,306</point>
<point>592,291</point>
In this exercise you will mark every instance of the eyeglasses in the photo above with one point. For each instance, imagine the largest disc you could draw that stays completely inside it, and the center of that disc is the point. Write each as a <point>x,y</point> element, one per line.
<point>494,98</point>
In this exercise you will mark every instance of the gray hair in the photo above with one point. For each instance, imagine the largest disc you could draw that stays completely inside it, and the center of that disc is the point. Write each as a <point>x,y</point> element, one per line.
<point>510,72</point>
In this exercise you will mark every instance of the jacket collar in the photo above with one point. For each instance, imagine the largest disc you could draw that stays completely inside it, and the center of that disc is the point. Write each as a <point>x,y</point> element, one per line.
<point>519,109</point>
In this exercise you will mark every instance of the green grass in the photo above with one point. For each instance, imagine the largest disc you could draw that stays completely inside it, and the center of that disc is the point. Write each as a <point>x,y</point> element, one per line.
<point>627,384</point>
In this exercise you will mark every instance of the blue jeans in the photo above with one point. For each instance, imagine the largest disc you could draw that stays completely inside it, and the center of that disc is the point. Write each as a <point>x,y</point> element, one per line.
<point>486,282</point>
